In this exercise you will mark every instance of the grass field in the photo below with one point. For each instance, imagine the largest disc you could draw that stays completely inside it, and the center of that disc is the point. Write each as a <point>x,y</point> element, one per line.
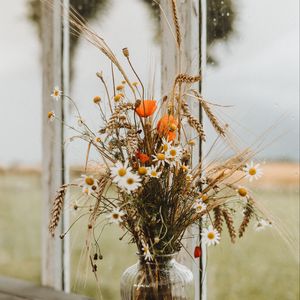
<point>260,267</point>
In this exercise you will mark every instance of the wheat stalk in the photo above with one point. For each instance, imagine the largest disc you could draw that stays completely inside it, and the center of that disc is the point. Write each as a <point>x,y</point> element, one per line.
<point>57,208</point>
<point>176,23</point>
<point>218,222</point>
<point>193,122</point>
<point>246,220</point>
<point>185,78</point>
<point>230,225</point>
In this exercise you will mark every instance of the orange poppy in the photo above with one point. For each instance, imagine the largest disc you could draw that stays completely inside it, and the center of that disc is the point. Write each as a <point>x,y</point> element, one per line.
<point>142,157</point>
<point>146,108</point>
<point>167,126</point>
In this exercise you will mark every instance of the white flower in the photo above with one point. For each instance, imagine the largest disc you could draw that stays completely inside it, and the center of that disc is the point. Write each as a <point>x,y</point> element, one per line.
<point>262,224</point>
<point>152,172</point>
<point>56,94</point>
<point>160,159</point>
<point>89,184</point>
<point>199,206</point>
<point>210,236</point>
<point>174,152</point>
<point>51,116</point>
<point>116,215</point>
<point>130,182</point>
<point>146,250</point>
<point>253,171</point>
<point>120,171</point>
<point>166,145</point>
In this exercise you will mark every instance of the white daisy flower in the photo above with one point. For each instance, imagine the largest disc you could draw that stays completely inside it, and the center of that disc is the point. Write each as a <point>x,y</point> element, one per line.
<point>146,250</point>
<point>152,172</point>
<point>116,215</point>
<point>210,236</point>
<point>51,116</point>
<point>89,184</point>
<point>174,153</point>
<point>160,159</point>
<point>130,182</point>
<point>166,145</point>
<point>56,94</point>
<point>253,171</point>
<point>119,171</point>
<point>262,224</point>
<point>199,206</point>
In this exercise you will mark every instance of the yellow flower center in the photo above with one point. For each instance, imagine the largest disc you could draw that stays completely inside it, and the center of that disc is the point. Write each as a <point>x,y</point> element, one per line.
<point>50,114</point>
<point>118,97</point>
<point>211,235</point>
<point>242,192</point>
<point>154,173</point>
<point>89,181</point>
<point>97,140</point>
<point>165,147</point>
<point>130,181</point>
<point>56,93</point>
<point>252,171</point>
<point>120,87</point>
<point>115,216</point>
<point>160,156</point>
<point>122,172</point>
<point>204,197</point>
<point>173,152</point>
<point>142,171</point>
<point>97,99</point>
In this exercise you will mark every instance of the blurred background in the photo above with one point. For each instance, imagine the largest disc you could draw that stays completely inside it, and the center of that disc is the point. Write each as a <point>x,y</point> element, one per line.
<point>252,66</point>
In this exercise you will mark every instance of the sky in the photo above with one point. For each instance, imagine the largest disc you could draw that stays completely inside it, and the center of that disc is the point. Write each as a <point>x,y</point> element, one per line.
<point>258,74</point>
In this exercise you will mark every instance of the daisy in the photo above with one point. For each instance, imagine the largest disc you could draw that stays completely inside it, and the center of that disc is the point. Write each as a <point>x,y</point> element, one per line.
<point>199,206</point>
<point>152,172</point>
<point>262,224</point>
<point>166,145</point>
<point>116,215</point>
<point>120,171</point>
<point>51,116</point>
<point>253,171</point>
<point>130,182</point>
<point>89,184</point>
<point>210,236</point>
<point>160,158</point>
<point>146,250</point>
<point>143,171</point>
<point>56,94</point>
<point>174,153</point>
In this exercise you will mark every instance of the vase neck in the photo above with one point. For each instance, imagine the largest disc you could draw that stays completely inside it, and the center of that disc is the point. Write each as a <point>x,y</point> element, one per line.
<point>158,259</point>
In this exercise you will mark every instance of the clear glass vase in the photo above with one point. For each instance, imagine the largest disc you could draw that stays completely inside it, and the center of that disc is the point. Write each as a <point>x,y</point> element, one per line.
<point>161,279</point>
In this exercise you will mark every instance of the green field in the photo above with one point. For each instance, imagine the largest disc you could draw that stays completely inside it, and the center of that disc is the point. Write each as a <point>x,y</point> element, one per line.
<point>260,267</point>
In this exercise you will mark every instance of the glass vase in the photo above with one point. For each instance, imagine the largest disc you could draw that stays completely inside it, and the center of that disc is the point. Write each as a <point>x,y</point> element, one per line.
<point>161,279</point>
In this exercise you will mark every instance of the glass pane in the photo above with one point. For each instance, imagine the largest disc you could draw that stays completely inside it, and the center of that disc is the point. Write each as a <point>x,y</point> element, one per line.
<point>253,55</point>
<point>20,154</point>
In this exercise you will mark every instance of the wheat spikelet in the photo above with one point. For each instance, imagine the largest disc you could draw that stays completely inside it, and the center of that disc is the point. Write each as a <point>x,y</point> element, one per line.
<point>185,78</point>
<point>193,122</point>
<point>57,208</point>
<point>214,121</point>
<point>176,22</point>
<point>102,182</point>
<point>247,216</point>
<point>229,222</point>
<point>132,141</point>
<point>218,222</point>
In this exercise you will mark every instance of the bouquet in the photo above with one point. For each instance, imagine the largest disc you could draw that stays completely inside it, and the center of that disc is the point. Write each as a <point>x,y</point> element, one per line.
<point>150,185</point>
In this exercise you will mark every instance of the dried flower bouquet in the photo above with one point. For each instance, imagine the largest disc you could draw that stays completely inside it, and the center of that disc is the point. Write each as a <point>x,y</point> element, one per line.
<point>147,158</point>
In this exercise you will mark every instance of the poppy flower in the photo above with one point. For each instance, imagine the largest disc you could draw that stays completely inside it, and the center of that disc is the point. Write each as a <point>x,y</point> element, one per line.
<point>167,127</point>
<point>142,157</point>
<point>197,252</point>
<point>146,108</point>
